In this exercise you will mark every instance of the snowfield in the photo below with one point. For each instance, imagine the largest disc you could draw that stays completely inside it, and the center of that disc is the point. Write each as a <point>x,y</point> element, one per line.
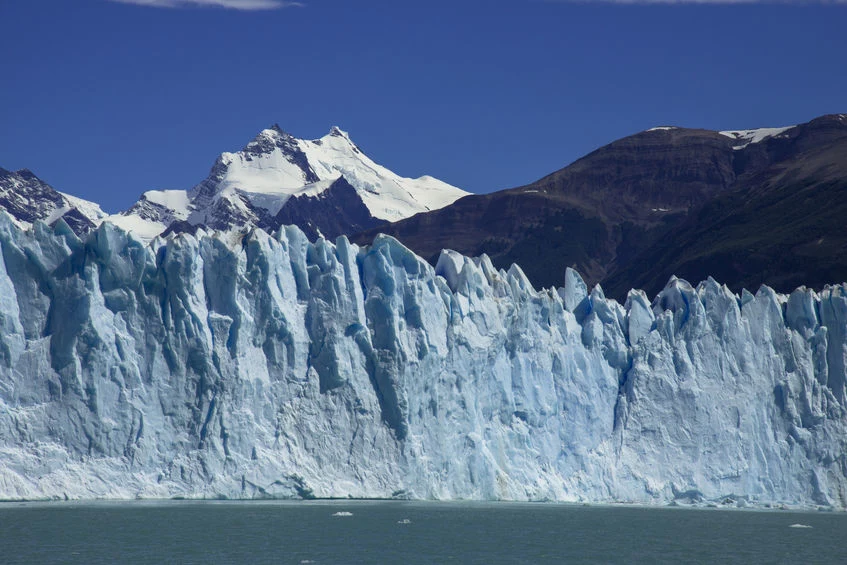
<point>269,366</point>
<point>749,136</point>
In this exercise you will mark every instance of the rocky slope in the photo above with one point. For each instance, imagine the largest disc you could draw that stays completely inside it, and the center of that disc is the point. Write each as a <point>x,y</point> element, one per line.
<point>781,224</point>
<point>27,199</point>
<point>662,202</point>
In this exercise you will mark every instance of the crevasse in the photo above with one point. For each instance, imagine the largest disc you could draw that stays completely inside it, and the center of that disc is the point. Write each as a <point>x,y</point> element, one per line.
<point>270,366</point>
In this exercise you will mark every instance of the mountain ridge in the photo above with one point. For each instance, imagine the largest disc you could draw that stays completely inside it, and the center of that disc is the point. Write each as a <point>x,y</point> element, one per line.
<point>631,213</point>
<point>611,206</point>
<point>249,188</point>
<point>28,199</point>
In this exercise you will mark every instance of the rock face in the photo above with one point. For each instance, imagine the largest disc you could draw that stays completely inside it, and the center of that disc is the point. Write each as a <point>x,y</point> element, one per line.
<point>27,199</point>
<point>336,211</point>
<point>752,207</point>
<point>276,367</point>
<point>781,223</point>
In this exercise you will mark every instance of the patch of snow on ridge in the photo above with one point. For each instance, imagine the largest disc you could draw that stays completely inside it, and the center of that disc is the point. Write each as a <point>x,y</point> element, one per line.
<point>153,213</point>
<point>746,137</point>
<point>663,128</point>
<point>176,200</point>
<point>138,226</point>
<point>90,210</point>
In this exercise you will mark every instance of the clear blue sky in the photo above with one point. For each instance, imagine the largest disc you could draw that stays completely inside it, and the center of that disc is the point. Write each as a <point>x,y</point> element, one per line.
<point>105,100</point>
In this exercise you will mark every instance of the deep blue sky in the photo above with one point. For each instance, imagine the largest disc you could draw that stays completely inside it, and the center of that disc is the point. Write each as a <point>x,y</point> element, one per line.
<point>106,100</point>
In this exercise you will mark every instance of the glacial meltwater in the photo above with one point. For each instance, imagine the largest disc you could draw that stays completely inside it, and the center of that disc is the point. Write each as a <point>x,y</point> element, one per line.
<point>348,532</point>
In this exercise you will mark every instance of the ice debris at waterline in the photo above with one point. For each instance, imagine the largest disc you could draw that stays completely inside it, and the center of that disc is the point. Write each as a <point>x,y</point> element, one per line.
<point>201,366</point>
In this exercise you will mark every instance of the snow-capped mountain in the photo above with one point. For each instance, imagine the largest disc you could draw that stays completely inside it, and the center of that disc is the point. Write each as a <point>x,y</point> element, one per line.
<point>253,186</point>
<point>280,367</point>
<point>27,198</point>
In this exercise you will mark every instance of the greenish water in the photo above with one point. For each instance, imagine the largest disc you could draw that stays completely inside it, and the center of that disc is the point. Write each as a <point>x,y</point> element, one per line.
<point>410,533</point>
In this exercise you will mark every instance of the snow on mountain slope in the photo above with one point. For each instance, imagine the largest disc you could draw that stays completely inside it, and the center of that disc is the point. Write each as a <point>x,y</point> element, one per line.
<point>387,195</point>
<point>90,210</point>
<point>154,212</point>
<point>276,367</point>
<point>27,199</point>
<point>251,186</point>
<point>277,164</point>
<point>749,136</point>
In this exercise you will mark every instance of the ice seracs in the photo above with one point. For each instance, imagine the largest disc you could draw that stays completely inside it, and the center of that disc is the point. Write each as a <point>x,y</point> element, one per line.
<point>269,366</point>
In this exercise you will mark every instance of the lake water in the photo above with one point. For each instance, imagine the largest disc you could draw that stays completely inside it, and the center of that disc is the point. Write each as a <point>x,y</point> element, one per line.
<point>410,533</point>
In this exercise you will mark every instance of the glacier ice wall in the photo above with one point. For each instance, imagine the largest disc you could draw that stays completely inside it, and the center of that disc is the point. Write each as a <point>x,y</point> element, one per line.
<point>276,367</point>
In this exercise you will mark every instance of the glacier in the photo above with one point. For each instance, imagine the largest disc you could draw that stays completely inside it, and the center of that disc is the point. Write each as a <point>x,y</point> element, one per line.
<point>268,366</point>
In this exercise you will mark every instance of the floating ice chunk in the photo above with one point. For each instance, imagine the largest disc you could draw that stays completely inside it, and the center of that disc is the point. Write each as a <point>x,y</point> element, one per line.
<point>343,514</point>
<point>801,526</point>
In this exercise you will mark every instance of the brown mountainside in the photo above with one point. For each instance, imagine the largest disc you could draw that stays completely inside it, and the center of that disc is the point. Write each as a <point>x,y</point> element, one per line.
<point>665,201</point>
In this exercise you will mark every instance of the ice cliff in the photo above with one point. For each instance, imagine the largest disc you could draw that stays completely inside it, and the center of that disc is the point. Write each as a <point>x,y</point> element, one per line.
<point>269,366</point>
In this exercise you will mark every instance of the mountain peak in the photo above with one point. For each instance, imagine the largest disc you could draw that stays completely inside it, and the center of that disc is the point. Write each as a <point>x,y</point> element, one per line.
<point>26,174</point>
<point>27,199</point>
<point>251,186</point>
<point>336,131</point>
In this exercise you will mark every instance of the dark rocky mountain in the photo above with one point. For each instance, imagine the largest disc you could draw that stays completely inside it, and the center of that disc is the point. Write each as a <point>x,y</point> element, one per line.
<point>746,207</point>
<point>28,199</point>
<point>782,224</point>
<point>336,211</point>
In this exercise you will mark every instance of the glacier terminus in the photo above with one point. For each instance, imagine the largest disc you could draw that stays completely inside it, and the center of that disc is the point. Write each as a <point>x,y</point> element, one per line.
<point>207,365</point>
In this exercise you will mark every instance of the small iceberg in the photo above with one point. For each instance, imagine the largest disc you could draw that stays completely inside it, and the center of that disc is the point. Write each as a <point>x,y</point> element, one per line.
<point>343,514</point>
<point>804,526</point>
<point>404,521</point>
